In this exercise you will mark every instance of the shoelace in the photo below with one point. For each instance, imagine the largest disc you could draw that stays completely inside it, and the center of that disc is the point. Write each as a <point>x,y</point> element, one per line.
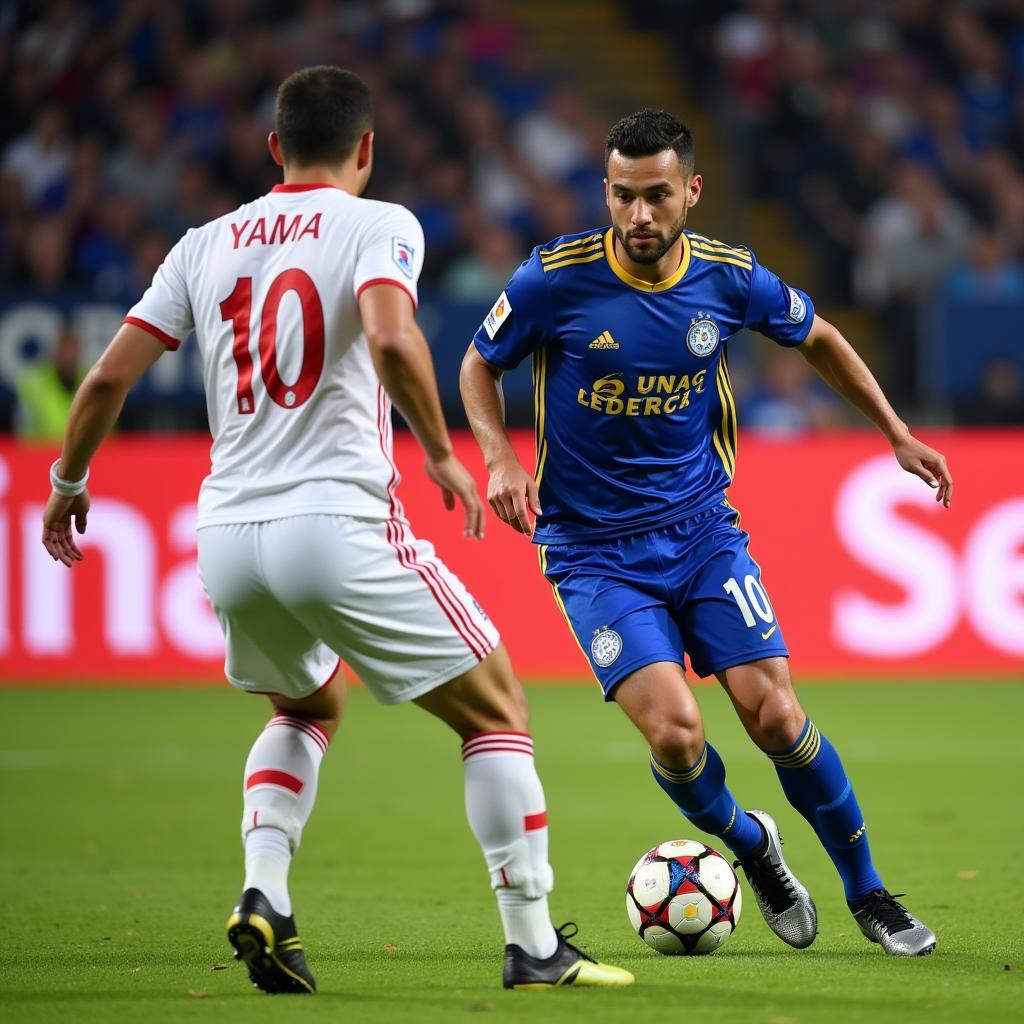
<point>565,935</point>
<point>767,878</point>
<point>884,907</point>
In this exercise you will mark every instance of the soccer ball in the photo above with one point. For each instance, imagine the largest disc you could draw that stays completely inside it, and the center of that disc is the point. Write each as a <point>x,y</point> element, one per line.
<point>683,898</point>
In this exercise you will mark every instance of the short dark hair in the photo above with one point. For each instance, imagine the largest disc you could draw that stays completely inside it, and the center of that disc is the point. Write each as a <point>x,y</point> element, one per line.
<point>651,131</point>
<point>321,114</point>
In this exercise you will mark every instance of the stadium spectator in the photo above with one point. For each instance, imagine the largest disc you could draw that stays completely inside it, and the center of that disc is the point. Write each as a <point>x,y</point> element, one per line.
<point>39,159</point>
<point>103,257</point>
<point>482,273</point>
<point>999,401</point>
<point>987,274</point>
<point>910,239</point>
<point>46,258</point>
<point>551,137</point>
<point>45,389</point>
<point>146,165</point>
<point>911,236</point>
<point>789,399</point>
<point>52,42</point>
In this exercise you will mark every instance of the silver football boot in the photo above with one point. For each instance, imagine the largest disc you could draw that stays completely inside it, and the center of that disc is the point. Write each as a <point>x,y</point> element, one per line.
<point>785,903</point>
<point>885,921</point>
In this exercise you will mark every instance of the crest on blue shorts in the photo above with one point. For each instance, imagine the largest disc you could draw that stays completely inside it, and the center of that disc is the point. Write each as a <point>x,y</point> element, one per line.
<point>605,647</point>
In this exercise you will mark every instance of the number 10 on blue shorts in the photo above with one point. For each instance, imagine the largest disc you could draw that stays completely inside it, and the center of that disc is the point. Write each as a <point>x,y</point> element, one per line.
<point>688,588</point>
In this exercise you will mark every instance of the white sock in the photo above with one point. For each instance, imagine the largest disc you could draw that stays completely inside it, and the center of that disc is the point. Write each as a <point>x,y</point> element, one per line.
<point>506,811</point>
<point>280,784</point>
<point>527,923</point>
<point>268,855</point>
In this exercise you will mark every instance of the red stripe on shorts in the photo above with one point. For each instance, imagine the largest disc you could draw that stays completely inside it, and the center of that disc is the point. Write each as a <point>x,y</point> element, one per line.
<point>456,615</point>
<point>532,822</point>
<point>464,613</point>
<point>398,514</point>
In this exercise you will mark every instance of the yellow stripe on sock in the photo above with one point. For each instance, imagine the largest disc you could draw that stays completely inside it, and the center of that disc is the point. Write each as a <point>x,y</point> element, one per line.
<point>803,754</point>
<point>681,777</point>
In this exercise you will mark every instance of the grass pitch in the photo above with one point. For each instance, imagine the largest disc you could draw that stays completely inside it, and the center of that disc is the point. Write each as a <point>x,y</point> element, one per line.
<point>120,860</point>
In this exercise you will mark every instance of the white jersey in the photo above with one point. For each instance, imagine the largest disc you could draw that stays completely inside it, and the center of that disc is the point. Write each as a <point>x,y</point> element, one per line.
<point>300,422</point>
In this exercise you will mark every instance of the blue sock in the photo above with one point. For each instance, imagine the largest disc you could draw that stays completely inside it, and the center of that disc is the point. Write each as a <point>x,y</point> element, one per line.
<point>701,794</point>
<point>815,782</point>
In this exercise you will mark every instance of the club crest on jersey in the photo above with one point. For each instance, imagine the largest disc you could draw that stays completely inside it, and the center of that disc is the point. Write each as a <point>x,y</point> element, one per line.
<point>797,307</point>
<point>497,316</point>
<point>702,337</point>
<point>605,647</point>
<point>402,253</point>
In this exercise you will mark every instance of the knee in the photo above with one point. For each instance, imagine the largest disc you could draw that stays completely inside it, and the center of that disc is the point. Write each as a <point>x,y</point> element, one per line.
<point>498,702</point>
<point>506,711</point>
<point>324,708</point>
<point>779,719</point>
<point>677,742</point>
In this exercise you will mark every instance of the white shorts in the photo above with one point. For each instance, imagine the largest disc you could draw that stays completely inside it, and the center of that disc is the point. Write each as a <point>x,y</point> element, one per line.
<point>295,596</point>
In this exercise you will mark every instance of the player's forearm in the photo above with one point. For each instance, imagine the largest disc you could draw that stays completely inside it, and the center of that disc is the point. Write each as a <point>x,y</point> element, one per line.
<point>93,414</point>
<point>842,369</point>
<point>484,402</point>
<point>406,370</point>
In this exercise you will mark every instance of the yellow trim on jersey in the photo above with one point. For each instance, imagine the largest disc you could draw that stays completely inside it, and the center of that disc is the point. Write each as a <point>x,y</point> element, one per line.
<point>542,555</point>
<point>574,243</point>
<point>569,262</point>
<point>701,255</point>
<point>635,282</point>
<point>540,371</point>
<point>738,519</point>
<point>714,245</point>
<point>576,250</point>
<point>723,250</point>
<point>720,436</point>
<point>733,421</point>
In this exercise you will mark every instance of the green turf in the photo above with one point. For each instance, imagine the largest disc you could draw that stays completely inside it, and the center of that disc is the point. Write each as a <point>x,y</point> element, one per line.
<point>119,860</point>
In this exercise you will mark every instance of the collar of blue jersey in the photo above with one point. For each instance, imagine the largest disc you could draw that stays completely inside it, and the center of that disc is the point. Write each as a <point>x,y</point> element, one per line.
<point>635,282</point>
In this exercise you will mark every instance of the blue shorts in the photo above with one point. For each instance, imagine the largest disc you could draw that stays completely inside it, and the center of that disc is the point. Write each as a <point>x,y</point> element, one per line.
<point>690,587</point>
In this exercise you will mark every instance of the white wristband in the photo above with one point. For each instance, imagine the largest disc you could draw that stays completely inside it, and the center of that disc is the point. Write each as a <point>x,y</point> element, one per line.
<point>66,488</point>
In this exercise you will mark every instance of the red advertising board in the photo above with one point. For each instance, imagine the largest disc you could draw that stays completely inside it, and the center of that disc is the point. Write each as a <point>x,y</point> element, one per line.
<point>869,576</point>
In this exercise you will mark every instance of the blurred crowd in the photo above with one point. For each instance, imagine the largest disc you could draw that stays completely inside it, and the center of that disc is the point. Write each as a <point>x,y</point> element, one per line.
<point>894,132</point>
<point>129,121</point>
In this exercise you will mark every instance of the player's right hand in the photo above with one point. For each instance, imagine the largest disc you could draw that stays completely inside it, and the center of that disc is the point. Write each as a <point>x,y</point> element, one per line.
<point>58,539</point>
<point>512,493</point>
<point>917,458</point>
<point>456,482</point>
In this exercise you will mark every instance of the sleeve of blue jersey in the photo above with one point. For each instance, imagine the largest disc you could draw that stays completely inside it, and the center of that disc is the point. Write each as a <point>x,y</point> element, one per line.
<point>776,310</point>
<point>518,322</point>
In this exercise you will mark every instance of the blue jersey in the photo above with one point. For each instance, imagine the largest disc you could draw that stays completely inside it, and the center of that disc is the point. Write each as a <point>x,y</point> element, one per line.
<point>635,417</point>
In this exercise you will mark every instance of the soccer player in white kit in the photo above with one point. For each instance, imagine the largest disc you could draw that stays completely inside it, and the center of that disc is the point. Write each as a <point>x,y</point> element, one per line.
<point>302,303</point>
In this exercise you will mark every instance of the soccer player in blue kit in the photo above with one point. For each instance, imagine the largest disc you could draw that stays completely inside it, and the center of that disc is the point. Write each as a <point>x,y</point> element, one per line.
<point>627,328</point>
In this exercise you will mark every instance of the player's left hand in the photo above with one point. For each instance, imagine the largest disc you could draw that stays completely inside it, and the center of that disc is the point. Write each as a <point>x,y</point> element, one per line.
<point>58,539</point>
<point>917,458</point>
<point>456,482</point>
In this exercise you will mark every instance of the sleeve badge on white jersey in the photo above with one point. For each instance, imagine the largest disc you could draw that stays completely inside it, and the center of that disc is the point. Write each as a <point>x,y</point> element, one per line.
<point>497,316</point>
<point>402,253</point>
<point>797,307</point>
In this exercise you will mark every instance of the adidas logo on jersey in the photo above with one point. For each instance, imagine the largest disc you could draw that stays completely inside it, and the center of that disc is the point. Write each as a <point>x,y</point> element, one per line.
<point>604,340</point>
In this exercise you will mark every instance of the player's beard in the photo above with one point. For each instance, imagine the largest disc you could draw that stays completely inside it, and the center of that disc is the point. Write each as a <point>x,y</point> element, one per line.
<point>655,254</point>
